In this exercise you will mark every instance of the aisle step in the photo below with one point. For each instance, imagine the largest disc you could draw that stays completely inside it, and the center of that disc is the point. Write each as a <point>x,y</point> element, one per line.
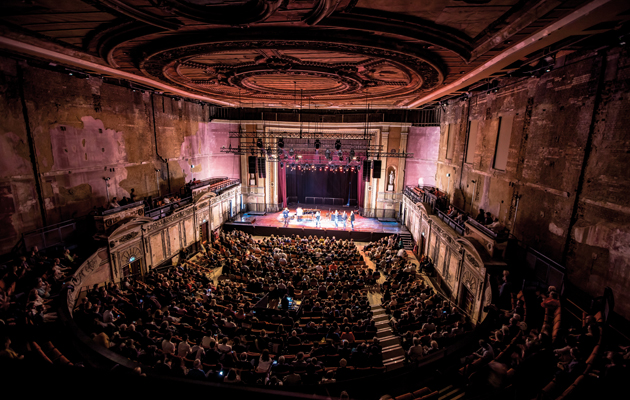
<point>459,396</point>
<point>445,389</point>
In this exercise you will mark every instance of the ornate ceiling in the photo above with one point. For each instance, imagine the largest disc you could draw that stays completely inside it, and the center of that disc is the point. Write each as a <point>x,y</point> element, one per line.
<point>298,53</point>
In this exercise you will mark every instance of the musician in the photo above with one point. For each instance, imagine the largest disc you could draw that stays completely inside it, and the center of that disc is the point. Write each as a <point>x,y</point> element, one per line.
<point>335,218</point>
<point>299,213</point>
<point>344,218</point>
<point>285,215</point>
<point>318,217</point>
<point>352,219</point>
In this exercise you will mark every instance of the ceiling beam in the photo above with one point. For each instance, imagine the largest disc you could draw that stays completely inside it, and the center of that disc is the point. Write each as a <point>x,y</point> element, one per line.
<point>573,24</point>
<point>51,55</point>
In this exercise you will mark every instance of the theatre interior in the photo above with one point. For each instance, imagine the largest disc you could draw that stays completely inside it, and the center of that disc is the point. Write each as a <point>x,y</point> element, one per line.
<point>315,199</point>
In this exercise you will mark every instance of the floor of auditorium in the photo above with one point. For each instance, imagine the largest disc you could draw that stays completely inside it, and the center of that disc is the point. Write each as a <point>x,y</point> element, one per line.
<point>361,224</point>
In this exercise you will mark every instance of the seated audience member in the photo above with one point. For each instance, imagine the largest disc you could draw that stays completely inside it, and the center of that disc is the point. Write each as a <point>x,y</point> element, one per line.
<point>113,203</point>
<point>481,217</point>
<point>488,219</point>
<point>496,226</point>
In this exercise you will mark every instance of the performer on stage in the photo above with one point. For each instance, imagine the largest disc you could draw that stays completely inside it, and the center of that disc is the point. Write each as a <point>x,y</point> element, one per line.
<point>344,218</point>
<point>318,217</point>
<point>285,215</point>
<point>299,213</point>
<point>352,219</point>
<point>335,218</point>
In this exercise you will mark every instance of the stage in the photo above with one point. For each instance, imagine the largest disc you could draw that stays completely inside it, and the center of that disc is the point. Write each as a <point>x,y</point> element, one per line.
<point>365,229</point>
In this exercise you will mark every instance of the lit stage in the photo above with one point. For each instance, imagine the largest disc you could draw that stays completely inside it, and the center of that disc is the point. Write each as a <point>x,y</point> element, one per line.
<point>365,229</point>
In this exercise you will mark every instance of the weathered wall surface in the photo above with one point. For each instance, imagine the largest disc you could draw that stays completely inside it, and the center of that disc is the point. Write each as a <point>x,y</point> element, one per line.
<point>424,143</point>
<point>85,130</point>
<point>19,208</point>
<point>567,162</point>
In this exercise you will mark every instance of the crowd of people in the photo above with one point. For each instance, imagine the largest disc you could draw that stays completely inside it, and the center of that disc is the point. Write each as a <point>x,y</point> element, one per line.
<point>245,328</point>
<point>424,321</point>
<point>28,287</point>
<point>531,351</point>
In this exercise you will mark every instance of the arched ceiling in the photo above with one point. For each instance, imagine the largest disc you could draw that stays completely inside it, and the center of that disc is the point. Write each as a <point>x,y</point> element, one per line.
<point>299,53</point>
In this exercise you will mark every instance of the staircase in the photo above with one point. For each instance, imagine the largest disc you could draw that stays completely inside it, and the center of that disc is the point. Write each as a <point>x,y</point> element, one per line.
<point>450,392</point>
<point>393,353</point>
<point>407,240</point>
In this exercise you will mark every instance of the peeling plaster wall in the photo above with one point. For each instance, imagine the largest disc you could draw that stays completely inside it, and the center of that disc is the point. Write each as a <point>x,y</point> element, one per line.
<point>203,150</point>
<point>424,143</point>
<point>19,208</point>
<point>565,143</point>
<point>85,130</point>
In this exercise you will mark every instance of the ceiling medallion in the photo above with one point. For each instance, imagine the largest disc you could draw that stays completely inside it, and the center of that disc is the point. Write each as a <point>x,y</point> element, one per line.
<point>272,70</point>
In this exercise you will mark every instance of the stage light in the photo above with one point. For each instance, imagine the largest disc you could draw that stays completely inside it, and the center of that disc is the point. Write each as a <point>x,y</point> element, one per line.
<point>328,157</point>
<point>317,143</point>
<point>299,156</point>
<point>269,151</point>
<point>337,144</point>
<point>352,153</point>
<point>291,152</point>
<point>259,143</point>
<point>320,168</point>
<point>281,165</point>
<point>340,154</point>
<point>281,142</point>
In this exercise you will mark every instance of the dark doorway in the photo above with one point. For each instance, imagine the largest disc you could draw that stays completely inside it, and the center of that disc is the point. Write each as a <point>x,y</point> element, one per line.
<point>467,302</point>
<point>203,232</point>
<point>132,269</point>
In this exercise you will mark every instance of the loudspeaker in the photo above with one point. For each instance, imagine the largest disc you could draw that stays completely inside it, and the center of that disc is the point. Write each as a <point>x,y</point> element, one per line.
<point>376,172</point>
<point>252,165</point>
<point>366,169</point>
<point>262,172</point>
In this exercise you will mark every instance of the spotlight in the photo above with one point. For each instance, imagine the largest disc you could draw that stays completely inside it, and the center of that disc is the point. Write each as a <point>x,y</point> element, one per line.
<point>318,144</point>
<point>281,142</point>
<point>337,144</point>
<point>269,151</point>
<point>340,154</point>
<point>281,165</point>
<point>291,152</point>
<point>328,156</point>
<point>351,153</point>
<point>259,143</point>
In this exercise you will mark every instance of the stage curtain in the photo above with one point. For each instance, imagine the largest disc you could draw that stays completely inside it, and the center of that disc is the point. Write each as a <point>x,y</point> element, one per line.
<point>302,184</point>
<point>360,189</point>
<point>282,186</point>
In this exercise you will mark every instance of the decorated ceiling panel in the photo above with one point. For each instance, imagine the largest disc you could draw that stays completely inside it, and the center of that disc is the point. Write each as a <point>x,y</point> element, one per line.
<point>288,53</point>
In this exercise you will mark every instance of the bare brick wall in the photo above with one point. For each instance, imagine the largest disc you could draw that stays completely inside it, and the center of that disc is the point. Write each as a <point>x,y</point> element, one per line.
<point>568,161</point>
<point>84,130</point>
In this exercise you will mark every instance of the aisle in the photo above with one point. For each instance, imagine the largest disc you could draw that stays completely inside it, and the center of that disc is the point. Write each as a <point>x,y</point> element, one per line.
<point>393,353</point>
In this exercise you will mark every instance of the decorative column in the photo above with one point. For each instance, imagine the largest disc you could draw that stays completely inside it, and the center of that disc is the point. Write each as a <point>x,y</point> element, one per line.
<point>380,185</point>
<point>400,179</point>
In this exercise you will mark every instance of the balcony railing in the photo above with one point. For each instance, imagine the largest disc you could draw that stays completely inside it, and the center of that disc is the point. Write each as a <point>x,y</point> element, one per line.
<point>457,227</point>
